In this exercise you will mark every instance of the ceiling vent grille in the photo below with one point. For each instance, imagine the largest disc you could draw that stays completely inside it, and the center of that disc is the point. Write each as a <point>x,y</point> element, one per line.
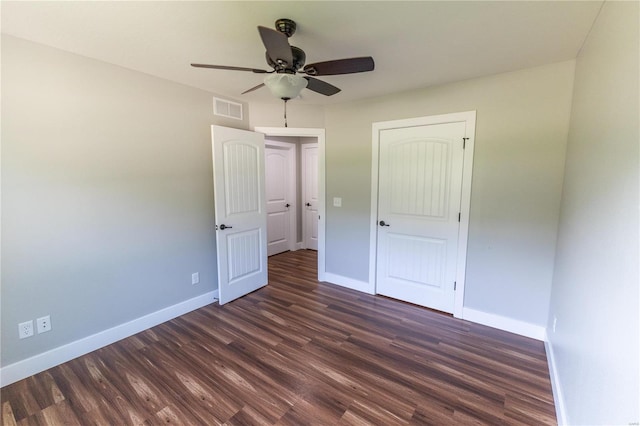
<point>224,108</point>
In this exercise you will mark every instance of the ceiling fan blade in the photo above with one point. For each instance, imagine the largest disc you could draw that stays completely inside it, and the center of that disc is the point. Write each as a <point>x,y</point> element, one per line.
<point>276,44</point>
<point>321,87</point>
<point>253,88</point>
<point>224,67</point>
<point>341,66</point>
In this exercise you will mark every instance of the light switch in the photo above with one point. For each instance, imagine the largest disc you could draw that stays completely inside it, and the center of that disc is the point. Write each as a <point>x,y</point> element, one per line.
<point>337,202</point>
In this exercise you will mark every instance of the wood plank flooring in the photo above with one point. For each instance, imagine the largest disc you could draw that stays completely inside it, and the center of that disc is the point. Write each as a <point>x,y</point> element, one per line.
<point>297,352</point>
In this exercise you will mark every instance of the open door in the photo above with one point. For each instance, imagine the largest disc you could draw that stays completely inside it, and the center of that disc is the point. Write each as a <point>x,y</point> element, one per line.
<point>240,210</point>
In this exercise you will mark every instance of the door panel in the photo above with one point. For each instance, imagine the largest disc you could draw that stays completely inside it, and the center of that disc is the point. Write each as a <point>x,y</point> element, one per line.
<point>419,178</point>
<point>420,183</point>
<point>310,196</point>
<point>246,248</point>
<point>241,220</point>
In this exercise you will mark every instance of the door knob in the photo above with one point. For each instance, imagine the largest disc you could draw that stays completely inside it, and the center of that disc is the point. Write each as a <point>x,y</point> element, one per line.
<point>382,223</point>
<point>287,205</point>
<point>223,227</point>
<point>308,204</point>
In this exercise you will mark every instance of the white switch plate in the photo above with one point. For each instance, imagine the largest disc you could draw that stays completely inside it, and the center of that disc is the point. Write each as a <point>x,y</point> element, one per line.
<point>195,278</point>
<point>337,202</point>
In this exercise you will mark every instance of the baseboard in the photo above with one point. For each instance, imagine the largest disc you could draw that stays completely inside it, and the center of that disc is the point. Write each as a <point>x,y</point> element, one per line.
<point>348,282</point>
<point>558,399</point>
<point>504,323</point>
<point>38,363</point>
<point>299,246</point>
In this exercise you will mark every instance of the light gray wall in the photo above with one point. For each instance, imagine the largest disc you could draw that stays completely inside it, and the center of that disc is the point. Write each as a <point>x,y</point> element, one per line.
<point>595,286</point>
<point>299,114</point>
<point>522,125</point>
<point>107,195</point>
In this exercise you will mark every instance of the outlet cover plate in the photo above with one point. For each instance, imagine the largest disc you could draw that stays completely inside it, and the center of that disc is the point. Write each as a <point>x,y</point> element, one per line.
<point>44,324</point>
<point>195,278</point>
<point>25,329</point>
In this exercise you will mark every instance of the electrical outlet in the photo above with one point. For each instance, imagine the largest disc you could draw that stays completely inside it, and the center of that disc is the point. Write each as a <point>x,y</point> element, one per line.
<point>337,202</point>
<point>555,321</point>
<point>195,278</point>
<point>43,324</point>
<point>25,329</point>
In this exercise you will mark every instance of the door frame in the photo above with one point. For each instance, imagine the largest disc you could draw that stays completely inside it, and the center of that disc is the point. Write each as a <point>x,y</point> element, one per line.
<point>469,117</point>
<point>319,134</point>
<point>292,150</point>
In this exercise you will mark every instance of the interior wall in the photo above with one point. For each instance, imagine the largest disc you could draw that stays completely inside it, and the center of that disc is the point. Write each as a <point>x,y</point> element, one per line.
<point>595,288</point>
<point>107,195</point>
<point>299,114</point>
<point>521,131</point>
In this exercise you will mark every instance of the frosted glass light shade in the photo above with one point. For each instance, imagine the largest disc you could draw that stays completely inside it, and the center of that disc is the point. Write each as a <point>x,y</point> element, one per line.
<point>285,86</point>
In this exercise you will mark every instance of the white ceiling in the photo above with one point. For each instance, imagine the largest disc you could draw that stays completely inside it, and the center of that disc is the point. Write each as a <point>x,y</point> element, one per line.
<point>414,44</point>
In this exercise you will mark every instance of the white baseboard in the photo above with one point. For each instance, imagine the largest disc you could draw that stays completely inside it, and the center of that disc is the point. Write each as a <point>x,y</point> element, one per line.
<point>504,323</point>
<point>558,398</point>
<point>299,246</point>
<point>348,282</point>
<point>37,363</point>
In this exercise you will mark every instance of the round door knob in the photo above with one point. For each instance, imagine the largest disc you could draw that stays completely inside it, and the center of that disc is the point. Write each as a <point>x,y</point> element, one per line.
<point>223,227</point>
<point>382,223</point>
<point>308,204</point>
<point>287,205</point>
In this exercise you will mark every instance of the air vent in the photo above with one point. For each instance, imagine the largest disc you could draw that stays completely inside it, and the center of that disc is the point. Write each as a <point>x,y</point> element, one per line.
<point>224,108</point>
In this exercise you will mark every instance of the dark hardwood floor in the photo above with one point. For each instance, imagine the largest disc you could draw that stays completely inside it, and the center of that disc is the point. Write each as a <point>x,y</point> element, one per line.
<point>293,353</point>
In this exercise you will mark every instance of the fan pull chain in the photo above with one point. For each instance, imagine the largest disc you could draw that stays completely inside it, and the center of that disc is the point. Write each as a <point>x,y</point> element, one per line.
<point>285,112</point>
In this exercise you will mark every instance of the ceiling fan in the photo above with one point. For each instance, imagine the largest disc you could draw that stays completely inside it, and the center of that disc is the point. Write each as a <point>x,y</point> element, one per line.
<point>288,61</point>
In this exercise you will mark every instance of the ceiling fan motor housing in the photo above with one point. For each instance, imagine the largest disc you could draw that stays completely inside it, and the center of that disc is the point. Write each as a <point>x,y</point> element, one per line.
<point>299,58</point>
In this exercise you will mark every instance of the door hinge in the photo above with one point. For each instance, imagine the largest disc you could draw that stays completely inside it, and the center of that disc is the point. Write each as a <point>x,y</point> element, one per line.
<point>459,214</point>
<point>464,142</point>
<point>455,285</point>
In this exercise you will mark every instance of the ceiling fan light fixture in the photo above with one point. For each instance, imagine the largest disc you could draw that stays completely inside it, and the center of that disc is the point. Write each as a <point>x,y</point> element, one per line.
<point>285,86</point>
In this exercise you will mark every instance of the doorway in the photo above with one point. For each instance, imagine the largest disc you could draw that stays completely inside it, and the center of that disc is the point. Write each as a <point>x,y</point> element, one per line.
<point>306,137</point>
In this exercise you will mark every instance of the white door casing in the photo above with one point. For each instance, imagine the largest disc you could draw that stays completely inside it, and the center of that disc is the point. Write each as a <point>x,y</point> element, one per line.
<point>310,195</point>
<point>240,211</point>
<point>421,186</point>
<point>280,185</point>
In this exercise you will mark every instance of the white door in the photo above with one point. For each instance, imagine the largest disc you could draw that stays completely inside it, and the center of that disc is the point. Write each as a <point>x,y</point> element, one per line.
<point>420,185</point>
<point>310,196</point>
<point>241,219</point>
<point>280,196</point>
